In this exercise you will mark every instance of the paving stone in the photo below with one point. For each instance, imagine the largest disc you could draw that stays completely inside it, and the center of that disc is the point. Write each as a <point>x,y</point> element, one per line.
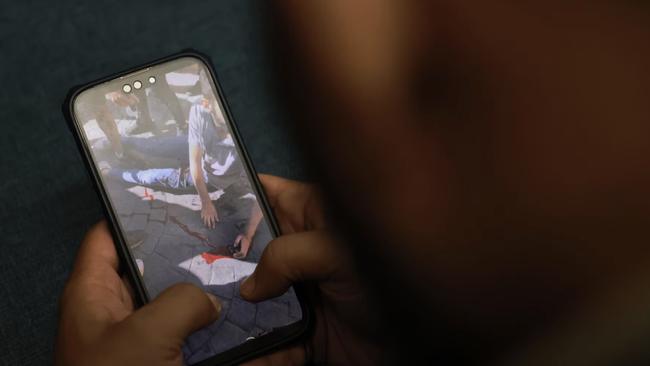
<point>228,336</point>
<point>149,245</point>
<point>271,314</point>
<point>200,248</point>
<point>199,338</point>
<point>193,221</point>
<point>173,229</point>
<point>242,313</point>
<point>176,210</point>
<point>224,232</point>
<point>160,274</point>
<point>225,308</point>
<point>158,215</point>
<point>141,206</point>
<point>201,354</point>
<point>123,222</point>
<point>137,222</point>
<point>123,206</point>
<point>174,250</point>
<point>159,204</point>
<point>155,229</point>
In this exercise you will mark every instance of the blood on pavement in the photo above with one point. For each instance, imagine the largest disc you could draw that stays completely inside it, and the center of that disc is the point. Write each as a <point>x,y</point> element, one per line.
<point>211,258</point>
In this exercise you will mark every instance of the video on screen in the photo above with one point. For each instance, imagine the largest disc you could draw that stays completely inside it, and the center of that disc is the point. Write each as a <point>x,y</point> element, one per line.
<point>183,197</point>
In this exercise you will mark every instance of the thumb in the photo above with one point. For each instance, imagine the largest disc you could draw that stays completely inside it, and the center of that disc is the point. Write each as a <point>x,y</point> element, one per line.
<point>312,255</point>
<point>177,312</point>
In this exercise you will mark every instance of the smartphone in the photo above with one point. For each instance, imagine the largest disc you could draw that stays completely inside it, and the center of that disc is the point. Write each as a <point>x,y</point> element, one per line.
<point>183,200</point>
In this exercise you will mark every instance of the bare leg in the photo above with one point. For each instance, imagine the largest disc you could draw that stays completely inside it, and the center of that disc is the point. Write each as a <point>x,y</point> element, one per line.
<point>144,121</point>
<point>107,125</point>
<point>164,92</point>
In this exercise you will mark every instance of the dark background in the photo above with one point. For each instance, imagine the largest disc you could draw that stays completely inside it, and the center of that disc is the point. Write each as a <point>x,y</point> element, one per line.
<point>46,198</point>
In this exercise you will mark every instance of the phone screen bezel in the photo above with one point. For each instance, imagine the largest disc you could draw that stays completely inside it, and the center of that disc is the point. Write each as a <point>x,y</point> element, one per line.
<point>248,349</point>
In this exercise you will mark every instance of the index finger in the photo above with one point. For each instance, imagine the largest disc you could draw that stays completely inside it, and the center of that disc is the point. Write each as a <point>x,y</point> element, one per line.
<point>293,258</point>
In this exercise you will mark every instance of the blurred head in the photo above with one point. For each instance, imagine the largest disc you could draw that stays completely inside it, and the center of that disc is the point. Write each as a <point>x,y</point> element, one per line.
<point>493,155</point>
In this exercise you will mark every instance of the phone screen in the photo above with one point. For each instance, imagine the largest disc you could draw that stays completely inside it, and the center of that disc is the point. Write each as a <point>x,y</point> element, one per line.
<point>184,199</point>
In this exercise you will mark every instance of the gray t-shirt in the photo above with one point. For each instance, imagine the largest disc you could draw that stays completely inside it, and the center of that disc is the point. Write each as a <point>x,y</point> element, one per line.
<point>220,160</point>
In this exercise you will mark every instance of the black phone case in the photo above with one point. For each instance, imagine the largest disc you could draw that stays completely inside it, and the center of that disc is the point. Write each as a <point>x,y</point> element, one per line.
<point>250,349</point>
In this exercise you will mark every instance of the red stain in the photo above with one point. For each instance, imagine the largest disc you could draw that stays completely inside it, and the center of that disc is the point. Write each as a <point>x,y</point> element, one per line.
<point>147,194</point>
<point>211,258</point>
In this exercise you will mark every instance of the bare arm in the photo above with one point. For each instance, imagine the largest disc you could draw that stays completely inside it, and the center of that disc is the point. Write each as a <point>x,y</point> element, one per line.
<point>208,211</point>
<point>254,221</point>
<point>246,238</point>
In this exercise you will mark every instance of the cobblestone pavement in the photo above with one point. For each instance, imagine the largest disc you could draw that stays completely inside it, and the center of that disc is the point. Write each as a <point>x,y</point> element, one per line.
<point>174,250</point>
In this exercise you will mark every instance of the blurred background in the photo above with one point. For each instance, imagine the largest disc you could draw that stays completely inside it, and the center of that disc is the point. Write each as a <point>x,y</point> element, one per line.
<point>46,198</point>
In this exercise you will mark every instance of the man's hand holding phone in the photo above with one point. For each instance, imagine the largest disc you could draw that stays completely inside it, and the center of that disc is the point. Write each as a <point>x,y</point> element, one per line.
<point>98,324</point>
<point>308,252</point>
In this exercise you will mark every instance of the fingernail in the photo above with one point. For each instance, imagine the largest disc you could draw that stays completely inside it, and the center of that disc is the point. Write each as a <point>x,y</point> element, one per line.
<point>215,302</point>
<point>247,287</point>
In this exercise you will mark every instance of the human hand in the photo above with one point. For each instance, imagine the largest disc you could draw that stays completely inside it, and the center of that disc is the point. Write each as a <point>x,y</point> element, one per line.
<point>209,214</point>
<point>308,252</point>
<point>99,326</point>
<point>244,243</point>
